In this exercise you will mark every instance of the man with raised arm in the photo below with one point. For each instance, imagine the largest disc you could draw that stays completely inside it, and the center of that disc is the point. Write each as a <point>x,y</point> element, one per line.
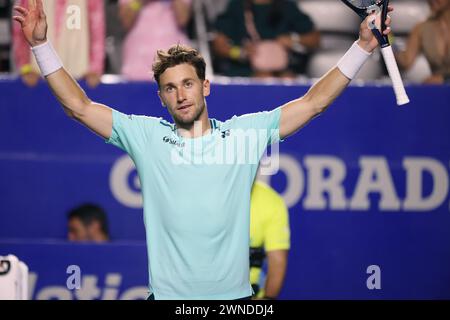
<point>196,179</point>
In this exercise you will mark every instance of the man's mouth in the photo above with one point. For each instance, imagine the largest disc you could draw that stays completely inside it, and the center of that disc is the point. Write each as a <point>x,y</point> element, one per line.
<point>184,106</point>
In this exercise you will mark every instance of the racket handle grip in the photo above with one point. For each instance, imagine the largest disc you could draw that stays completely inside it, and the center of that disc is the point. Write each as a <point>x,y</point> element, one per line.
<point>394,73</point>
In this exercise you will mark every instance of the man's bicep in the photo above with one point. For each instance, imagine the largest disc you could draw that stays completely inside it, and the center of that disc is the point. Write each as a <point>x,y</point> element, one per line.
<point>98,118</point>
<point>294,116</point>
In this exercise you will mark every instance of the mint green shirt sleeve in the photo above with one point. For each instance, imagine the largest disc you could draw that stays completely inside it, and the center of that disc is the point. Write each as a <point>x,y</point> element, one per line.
<point>267,122</point>
<point>131,133</point>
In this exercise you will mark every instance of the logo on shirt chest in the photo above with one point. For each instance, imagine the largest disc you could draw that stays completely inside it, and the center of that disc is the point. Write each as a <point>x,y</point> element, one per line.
<point>225,133</point>
<point>173,142</point>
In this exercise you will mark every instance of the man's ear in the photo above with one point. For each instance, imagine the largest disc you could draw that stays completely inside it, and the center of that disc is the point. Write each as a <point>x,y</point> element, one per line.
<point>206,87</point>
<point>160,98</point>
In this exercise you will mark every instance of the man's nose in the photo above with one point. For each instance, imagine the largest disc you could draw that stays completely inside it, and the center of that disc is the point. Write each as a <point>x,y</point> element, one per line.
<point>181,95</point>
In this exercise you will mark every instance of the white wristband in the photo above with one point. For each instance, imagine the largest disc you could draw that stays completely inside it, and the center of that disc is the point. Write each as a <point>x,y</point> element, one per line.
<point>47,58</point>
<point>353,60</point>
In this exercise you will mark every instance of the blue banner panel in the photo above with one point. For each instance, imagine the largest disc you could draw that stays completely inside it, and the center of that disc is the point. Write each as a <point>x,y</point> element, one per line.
<point>72,271</point>
<point>367,183</point>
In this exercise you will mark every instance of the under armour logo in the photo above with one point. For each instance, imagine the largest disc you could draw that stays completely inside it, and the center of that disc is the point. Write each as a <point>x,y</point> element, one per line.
<point>225,133</point>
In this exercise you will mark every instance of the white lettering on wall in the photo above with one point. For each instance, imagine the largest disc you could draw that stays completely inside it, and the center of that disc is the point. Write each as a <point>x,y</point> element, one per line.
<point>318,184</point>
<point>324,179</point>
<point>415,168</point>
<point>375,176</point>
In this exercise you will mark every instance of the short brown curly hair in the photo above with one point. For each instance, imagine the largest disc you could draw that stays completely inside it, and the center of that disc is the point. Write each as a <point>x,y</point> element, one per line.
<point>178,54</point>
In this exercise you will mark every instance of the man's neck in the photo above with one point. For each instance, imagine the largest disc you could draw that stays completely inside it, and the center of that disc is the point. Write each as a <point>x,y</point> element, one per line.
<point>200,127</point>
<point>197,129</point>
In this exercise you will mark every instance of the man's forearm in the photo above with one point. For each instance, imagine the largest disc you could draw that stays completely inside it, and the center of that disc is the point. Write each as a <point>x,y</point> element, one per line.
<point>330,86</point>
<point>277,264</point>
<point>299,112</point>
<point>64,87</point>
<point>68,92</point>
<point>273,286</point>
<point>327,89</point>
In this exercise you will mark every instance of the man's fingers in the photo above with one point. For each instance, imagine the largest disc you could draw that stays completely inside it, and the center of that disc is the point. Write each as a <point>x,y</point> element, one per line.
<point>19,19</point>
<point>31,4</point>
<point>387,31</point>
<point>21,10</point>
<point>388,21</point>
<point>40,7</point>
<point>390,8</point>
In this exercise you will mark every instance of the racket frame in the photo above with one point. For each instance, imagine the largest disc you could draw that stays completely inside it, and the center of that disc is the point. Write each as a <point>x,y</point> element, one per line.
<point>386,49</point>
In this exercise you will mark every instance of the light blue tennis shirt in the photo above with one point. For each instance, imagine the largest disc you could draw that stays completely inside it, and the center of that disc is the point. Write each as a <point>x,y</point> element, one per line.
<point>196,194</point>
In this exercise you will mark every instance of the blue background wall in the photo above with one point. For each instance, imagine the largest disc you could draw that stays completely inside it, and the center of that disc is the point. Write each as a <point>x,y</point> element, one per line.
<point>49,164</point>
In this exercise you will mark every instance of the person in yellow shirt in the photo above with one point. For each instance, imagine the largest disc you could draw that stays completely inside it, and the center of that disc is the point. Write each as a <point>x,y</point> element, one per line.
<point>269,238</point>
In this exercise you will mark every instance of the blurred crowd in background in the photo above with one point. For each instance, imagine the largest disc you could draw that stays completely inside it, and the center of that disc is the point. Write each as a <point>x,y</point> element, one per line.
<point>239,38</point>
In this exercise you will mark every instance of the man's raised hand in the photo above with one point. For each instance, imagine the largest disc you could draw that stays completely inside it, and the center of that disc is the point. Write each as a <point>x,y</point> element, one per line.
<point>33,22</point>
<point>369,41</point>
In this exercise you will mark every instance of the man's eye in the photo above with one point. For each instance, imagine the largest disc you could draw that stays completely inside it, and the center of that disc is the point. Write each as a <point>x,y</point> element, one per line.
<point>169,89</point>
<point>188,84</point>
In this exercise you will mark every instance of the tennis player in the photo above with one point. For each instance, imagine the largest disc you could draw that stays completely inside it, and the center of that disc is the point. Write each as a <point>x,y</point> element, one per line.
<point>196,211</point>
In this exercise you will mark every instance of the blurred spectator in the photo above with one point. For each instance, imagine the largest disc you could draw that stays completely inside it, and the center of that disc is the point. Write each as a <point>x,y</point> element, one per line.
<point>77,30</point>
<point>246,23</point>
<point>87,222</point>
<point>5,34</point>
<point>269,237</point>
<point>114,38</point>
<point>151,25</point>
<point>432,38</point>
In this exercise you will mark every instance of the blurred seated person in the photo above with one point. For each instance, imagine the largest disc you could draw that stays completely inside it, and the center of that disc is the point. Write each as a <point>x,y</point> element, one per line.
<point>87,222</point>
<point>432,38</point>
<point>77,29</point>
<point>151,25</point>
<point>246,24</point>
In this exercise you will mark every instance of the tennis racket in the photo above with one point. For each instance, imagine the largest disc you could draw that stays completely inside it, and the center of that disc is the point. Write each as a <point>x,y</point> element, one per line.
<point>364,8</point>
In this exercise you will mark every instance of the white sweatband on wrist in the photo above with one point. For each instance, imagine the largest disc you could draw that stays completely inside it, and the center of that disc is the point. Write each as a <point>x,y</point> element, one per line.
<point>47,58</point>
<point>353,60</point>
